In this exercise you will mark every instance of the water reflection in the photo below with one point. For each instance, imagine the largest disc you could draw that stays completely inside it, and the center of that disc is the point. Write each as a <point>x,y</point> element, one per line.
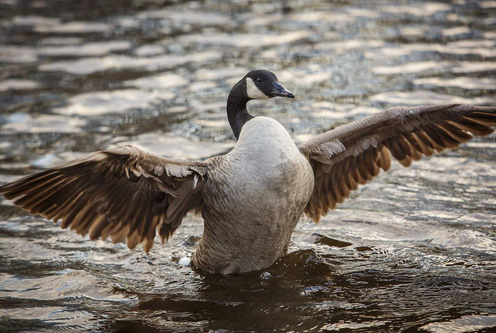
<point>413,250</point>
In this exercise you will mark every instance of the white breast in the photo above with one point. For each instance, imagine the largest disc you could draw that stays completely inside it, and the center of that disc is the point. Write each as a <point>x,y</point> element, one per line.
<point>266,155</point>
<point>262,137</point>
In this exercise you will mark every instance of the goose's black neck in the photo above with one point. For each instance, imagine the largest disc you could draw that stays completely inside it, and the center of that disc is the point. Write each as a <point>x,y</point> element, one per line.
<point>237,114</point>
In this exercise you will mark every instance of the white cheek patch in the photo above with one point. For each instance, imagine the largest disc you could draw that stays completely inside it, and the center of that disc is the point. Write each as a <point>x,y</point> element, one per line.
<point>252,91</point>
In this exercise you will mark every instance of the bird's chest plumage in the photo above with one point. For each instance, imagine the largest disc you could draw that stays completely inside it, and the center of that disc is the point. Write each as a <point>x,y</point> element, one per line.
<point>266,167</point>
<point>257,194</point>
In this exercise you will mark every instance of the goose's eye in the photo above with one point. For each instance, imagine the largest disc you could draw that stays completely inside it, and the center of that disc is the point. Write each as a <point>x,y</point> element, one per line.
<point>259,80</point>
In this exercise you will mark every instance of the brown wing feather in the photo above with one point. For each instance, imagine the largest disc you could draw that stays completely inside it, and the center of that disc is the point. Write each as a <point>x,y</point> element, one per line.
<point>354,153</point>
<point>122,193</point>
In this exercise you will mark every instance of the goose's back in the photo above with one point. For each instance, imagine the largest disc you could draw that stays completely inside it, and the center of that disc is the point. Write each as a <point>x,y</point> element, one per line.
<point>253,200</point>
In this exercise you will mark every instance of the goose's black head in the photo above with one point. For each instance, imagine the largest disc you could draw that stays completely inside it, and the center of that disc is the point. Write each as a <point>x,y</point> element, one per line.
<point>262,84</point>
<point>258,84</point>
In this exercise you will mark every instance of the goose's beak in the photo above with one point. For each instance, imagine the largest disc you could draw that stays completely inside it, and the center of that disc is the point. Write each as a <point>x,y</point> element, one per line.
<point>281,91</point>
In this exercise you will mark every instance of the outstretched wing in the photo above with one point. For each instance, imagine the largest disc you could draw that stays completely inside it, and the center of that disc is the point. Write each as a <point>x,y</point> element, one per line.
<point>121,193</point>
<point>353,154</point>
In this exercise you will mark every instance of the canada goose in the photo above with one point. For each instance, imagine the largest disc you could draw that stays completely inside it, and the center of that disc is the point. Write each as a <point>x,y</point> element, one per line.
<point>251,198</point>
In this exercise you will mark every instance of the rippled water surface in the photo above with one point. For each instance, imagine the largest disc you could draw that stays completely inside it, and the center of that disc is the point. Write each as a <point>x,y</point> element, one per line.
<point>415,250</point>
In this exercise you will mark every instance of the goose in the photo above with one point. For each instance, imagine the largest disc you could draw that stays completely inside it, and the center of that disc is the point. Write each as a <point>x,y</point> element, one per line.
<point>251,198</point>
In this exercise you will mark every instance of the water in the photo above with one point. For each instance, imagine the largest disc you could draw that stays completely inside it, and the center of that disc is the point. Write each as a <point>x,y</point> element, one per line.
<point>415,250</point>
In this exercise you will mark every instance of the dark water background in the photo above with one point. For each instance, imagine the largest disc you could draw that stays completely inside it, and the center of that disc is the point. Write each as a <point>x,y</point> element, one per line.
<point>415,250</point>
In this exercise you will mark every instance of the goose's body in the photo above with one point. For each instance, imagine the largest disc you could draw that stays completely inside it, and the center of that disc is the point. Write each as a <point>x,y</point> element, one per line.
<point>251,198</point>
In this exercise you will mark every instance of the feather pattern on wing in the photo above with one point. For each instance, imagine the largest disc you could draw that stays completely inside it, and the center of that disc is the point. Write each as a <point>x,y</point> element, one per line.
<point>352,154</point>
<point>121,193</point>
